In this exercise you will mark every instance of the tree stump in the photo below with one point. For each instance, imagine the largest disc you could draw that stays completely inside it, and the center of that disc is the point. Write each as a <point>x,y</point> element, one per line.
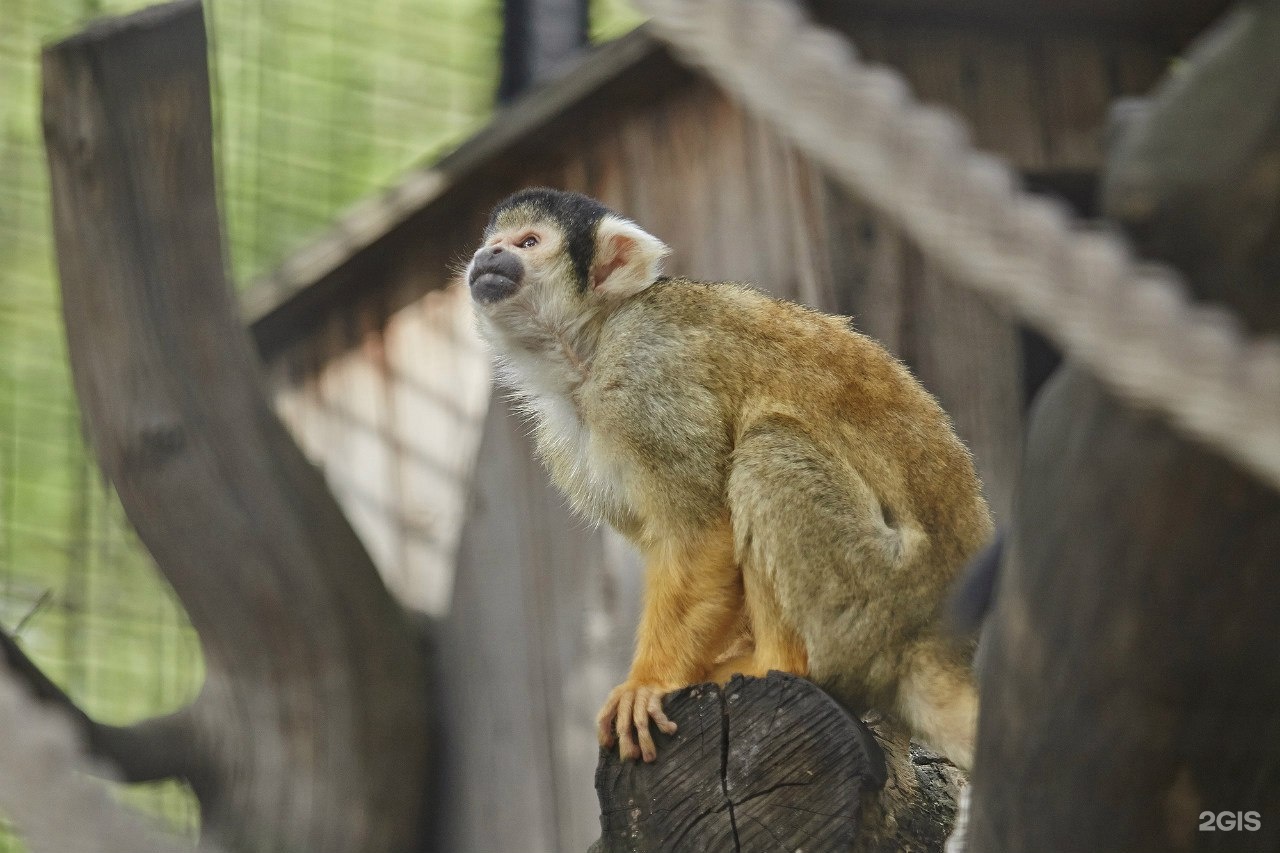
<point>769,764</point>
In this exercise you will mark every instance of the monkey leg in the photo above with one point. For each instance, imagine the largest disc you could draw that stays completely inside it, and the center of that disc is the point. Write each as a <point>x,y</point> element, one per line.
<point>744,664</point>
<point>692,606</point>
<point>823,561</point>
<point>776,645</point>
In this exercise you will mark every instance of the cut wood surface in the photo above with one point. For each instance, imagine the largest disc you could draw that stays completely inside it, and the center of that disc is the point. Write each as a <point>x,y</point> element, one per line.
<point>764,764</point>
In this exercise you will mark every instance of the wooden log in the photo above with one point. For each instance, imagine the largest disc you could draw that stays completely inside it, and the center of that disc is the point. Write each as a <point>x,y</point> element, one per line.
<point>769,764</point>
<point>1131,677</point>
<point>309,731</point>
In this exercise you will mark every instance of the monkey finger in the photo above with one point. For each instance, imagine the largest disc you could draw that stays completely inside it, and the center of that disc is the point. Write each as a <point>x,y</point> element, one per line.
<point>604,721</point>
<point>666,725</point>
<point>623,726</point>
<point>648,750</point>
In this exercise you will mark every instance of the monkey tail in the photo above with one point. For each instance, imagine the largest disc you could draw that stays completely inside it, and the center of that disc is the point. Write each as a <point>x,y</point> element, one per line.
<point>938,699</point>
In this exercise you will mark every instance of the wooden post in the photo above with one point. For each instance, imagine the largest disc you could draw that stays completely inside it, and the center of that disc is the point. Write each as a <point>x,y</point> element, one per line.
<point>538,38</point>
<point>309,733</point>
<point>1132,680</point>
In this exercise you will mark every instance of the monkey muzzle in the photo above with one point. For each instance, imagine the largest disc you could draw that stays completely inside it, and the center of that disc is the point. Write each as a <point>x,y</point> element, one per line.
<point>495,274</point>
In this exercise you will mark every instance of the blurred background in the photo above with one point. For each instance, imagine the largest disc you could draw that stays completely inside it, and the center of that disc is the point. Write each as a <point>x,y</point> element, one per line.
<point>317,103</point>
<point>358,149</point>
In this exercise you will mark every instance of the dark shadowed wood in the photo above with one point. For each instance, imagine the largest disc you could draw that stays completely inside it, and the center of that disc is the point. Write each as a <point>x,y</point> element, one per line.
<point>796,765</point>
<point>309,731</point>
<point>538,38</point>
<point>1169,22</point>
<point>678,802</point>
<point>764,764</point>
<point>1132,679</point>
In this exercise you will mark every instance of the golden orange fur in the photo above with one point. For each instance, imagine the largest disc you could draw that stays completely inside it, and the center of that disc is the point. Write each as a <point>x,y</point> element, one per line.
<point>781,473</point>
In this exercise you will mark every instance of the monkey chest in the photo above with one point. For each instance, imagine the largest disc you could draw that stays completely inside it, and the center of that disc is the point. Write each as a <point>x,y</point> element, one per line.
<point>594,473</point>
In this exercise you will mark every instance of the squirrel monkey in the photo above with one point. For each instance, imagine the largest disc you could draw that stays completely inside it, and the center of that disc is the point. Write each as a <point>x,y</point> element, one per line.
<point>785,477</point>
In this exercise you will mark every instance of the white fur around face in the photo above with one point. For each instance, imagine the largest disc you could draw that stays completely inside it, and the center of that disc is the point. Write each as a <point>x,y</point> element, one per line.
<point>542,338</point>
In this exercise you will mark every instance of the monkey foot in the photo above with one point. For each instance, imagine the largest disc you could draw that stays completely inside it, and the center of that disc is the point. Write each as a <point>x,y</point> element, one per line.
<point>626,715</point>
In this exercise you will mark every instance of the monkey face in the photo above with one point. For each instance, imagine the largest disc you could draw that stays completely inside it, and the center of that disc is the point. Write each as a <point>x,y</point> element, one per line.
<point>522,269</point>
<point>497,269</point>
<point>558,257</point>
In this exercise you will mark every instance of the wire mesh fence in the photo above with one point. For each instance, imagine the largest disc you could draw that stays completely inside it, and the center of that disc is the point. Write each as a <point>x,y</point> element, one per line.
<point>317,103</point>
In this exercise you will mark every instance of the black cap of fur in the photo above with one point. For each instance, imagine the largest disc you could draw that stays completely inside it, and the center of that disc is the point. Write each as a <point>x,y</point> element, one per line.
<point>577,216</point>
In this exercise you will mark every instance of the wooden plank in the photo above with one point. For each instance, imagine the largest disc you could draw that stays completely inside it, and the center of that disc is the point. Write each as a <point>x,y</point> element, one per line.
<point>733,204</point>
<point>439,386</point>
<point>807,232</point>
<point>970,358</point>
<point>1076,92</point>
<point>867,258</point>
<point>985,79</point>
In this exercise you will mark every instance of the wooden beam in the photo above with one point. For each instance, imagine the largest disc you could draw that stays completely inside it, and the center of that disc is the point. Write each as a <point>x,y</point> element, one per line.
<point>309,728</point>
<point>1167,23</point>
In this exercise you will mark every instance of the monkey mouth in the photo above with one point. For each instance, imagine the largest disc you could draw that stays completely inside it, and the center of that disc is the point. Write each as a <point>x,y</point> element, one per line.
<point>494,277</point>
<point>490,287</point>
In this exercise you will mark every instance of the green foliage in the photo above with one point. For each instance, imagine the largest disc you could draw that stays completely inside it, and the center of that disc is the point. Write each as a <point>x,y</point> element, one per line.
<point>612,18</point>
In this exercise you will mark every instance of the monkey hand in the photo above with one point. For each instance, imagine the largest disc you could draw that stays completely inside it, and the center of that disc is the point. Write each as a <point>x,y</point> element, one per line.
<point>626,715</point>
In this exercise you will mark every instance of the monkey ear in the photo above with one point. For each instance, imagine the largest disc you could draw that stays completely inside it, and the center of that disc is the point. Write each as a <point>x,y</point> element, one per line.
<point>627,260</point>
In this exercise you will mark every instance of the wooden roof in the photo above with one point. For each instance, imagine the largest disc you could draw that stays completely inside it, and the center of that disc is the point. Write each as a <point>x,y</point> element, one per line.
<point>636,68</point>
<point>278,306</point>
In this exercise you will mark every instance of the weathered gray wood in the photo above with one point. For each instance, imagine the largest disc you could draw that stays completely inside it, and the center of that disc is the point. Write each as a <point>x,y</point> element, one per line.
<point>1131,682</point>
<point>764,764</point>
<point>309,731</point>
<point>796,765</point>
<point>539,627</point>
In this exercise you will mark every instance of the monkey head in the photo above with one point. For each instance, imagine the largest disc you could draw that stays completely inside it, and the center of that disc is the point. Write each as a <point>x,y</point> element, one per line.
<point>559,254</point>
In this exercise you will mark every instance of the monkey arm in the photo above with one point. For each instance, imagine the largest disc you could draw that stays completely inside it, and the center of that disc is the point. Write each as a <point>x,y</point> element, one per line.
<point>693,602</point>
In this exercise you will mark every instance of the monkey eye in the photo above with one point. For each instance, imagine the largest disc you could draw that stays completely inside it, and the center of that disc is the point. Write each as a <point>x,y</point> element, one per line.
<point>529,242</point>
